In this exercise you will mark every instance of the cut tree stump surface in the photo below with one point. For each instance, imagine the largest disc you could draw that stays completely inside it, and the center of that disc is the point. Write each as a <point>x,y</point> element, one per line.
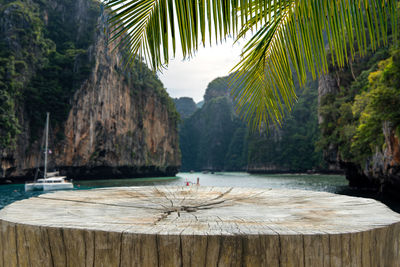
<point>198,226</point>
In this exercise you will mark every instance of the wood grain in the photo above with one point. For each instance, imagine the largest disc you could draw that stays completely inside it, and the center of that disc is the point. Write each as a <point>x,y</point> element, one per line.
<point>198,226</point>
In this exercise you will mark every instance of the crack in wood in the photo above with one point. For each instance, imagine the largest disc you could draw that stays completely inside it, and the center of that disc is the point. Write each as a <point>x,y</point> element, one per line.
<point>197,219</point>
<point>341,251</point>
<point>94,249</point>
<point>120,249</point>
<point>64,245</point>
<point>223,194</point>
<point>2,242</point>
<point>329,247</point>
<point>163,216</point>
<point>218,197</point>
<point>219,250</point>
<point>205,205</point>
<point>171,193</point>
<point>280,250</point>
<point>350,258</point>
<point>146,199</point>
<point>167,211</point>
<point>304,251</point>
<point>28,248</point>
<point>206,252</point>
<point>164,195</point>
<point>181,247</point>
<point>86,249</point>
<point>16,243</point>
<point>244,198</point>
<point>362,242</point>
<point>50,247</point>
<point>158,250</point>
<point>243,252</point>
<point>189,209</point>
<point>98,203</point>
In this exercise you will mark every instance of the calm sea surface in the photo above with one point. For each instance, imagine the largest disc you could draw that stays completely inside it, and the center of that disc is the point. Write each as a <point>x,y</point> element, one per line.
<point>316,182</point>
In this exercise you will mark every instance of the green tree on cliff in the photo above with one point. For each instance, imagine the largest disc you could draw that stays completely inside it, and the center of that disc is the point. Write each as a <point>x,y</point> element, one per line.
<point>288,35</point>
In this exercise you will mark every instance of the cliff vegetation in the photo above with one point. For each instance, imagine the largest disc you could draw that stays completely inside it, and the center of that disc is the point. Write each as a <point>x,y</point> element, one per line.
<point>185,106</point>
<point>44,60</point>
<point>361,119</point>
<point>215,138</point>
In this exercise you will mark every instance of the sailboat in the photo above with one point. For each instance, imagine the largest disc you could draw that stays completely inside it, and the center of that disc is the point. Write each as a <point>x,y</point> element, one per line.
<point>50,180</point>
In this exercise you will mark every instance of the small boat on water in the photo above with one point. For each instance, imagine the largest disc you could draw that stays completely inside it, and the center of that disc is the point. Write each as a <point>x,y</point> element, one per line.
<point>50,180</point>
<point>49,183</point>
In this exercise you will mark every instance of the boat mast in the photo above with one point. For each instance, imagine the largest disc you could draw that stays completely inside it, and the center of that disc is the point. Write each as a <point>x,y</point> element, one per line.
<point>46,146</point>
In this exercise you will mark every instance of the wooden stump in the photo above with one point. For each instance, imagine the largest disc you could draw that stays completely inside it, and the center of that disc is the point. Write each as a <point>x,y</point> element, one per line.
<point>198,226</point>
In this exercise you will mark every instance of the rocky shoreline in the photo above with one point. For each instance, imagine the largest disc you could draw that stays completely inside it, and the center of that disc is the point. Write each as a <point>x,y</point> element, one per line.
<point>100,172</point>
<point>339,172</point>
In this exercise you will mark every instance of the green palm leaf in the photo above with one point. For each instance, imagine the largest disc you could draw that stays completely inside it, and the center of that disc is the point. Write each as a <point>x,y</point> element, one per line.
<point>289,37</point>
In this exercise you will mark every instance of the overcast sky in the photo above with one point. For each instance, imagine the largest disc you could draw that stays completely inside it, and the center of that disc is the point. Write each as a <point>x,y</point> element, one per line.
<point>191,77</point>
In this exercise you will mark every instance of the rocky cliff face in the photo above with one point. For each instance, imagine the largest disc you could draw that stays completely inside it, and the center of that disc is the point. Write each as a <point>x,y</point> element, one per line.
<point>377,163</point>
<point>327,85</point>
<point>116,126</point>
<point>387,163</point>
<point>120,123</point>
<point>382,169</point>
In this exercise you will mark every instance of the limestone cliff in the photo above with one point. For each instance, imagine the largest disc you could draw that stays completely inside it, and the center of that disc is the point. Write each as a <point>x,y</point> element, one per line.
<point>113,124</point>
<point>359,121</point>
<point>327,85</point>
<point>117,122</point>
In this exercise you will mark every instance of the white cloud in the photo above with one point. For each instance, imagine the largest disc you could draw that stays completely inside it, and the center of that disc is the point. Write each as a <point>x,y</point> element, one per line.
<point>191,77</point>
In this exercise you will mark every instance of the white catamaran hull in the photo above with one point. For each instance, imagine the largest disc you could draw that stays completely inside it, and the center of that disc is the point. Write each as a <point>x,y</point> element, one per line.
<point>48,187</point>
<point>33,187</point>
<point>54,183</point>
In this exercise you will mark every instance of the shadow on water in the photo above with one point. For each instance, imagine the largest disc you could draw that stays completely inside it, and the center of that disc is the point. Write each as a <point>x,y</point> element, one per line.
<point>90,184</point>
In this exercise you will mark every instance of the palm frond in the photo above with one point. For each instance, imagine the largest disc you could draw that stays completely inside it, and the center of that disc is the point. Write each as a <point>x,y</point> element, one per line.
<point>150,27</point>
<point>292,39</point>
<point>289,37</point>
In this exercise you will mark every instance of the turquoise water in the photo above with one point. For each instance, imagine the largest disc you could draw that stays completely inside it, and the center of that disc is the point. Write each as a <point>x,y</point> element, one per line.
<point>330,183</point>
<point>317,182</point>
